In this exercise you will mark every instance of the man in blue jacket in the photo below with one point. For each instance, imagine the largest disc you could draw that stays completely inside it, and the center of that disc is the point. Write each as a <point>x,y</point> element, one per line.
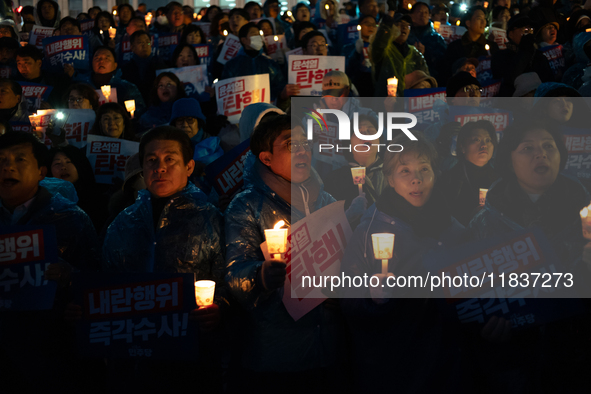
<point>277,347</point>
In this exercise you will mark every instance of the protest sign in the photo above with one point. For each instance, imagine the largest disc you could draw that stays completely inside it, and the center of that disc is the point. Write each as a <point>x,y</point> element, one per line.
<point>78,124</point>
<point>112,96</point>
<point>578,145</point>
<point>86,26</point>
<point>25,254</point>
<point>420,103</point>
<point>235,94</point>
<point>491,88</point>
<point>308,71</point>
<point>500,258</point>
<point>499,36</point>
<point>484,70</point>
<point>225,174</point>
<point>203,53</point>
<point>38,34</point>
<point>205,27</point>
<point>193,77</point>
<point>500,118</point>
<point>107,157</point>
<point>141,315</point>
<point>167,42</point>
<point>346,34</point>
<point>62,50</point>
<point>276,47</point>
<point>451,33</point>
<point>7,72</point>
<point>297,51</point>
<point>21,126</point>
<point>230,49</point>
<point>316,245</point>
<point>34,94</point>
<point>555,56</point>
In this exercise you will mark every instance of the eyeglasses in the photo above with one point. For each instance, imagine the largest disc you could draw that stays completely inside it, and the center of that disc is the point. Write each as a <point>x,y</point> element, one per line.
<point>316,45</point>
<point>145,43</point>
<point>78,100</point>
<point>187,120</point>
<point>294,146</point>
<point>167,86</point>
<point>468,89</point>
<point>403,25</point>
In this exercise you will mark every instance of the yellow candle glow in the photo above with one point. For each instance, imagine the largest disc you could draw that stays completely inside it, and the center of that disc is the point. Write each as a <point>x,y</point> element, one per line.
<point>436,25</point>
<point>148,18</point>
<point>114,12</point>
<point>392,86</point>
<point>225,32</point>
<point>326,6</point>
<point>130,107</point>
<point>204,292</point>
<point>106,90</point>
<point>358,174</point>
<point>112,32</point>
<point>275,38</point>
<point>486,4</point>
<point>409,6</point>
<point>457,23</point>
<point>277,240</point>
<point>586,220</point>
<point>194,15</point>
<point>587,31</point>
<point>383,248</point>
<point>482,197</point>
<point>101,32</point>
<point>289,13</point>
<point>261,33</point>
<point>359,27</point>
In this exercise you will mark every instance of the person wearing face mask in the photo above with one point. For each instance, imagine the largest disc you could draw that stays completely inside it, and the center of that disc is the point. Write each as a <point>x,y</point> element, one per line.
<point>174,17</point>
<point>392,55</point>
<point>141,69</point>
<point>166,89</point>
<point>250,60</point>
<point>476,144</point>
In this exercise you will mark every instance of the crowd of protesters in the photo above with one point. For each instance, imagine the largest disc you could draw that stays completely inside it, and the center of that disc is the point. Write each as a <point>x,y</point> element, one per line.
<point>166,217</point>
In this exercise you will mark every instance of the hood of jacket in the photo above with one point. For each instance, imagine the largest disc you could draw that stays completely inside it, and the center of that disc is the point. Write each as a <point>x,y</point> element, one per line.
<point>251,117</point>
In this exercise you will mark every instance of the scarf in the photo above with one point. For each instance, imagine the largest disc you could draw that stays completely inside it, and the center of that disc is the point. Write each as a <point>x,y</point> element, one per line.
<point>430,220</point>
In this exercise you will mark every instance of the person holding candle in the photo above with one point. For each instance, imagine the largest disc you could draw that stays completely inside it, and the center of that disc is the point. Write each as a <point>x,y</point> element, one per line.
<point>81,96</point>
<point>476,143</point>
<point>277,348</point>
<point>359,65</point>
<point>532,193</point>
<point>388,334</point>
<point>424,37</point>
<point>392,56</point>
<point>105,71</point>
<point>472,44</point>
<point>100,31</point>
<point>172,229</point>
<point>125,13</point>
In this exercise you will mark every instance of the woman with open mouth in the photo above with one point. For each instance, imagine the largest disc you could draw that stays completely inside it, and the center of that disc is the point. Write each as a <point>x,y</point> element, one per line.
<point>166,90</point>
<point>392,337</point>
<point>475,147</point>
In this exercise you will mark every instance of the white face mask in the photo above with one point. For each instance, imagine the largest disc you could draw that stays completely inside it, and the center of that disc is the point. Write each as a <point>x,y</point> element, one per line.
<point>256,42</point>
<point>162,20</point>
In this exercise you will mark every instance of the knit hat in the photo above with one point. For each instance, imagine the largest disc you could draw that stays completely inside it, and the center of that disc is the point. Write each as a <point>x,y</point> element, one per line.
<point>458,81</point>
<point>416,77</point>
<point>186,107</point>
<point>525,83</point>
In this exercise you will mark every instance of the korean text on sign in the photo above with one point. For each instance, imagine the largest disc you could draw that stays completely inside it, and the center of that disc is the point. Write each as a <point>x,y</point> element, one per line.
<point>108,156</point>
<point>309,71</point>
<point>499,120</point>
<point>234,94</point>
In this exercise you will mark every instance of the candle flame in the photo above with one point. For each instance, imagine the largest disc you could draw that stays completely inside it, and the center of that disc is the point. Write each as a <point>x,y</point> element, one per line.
<point>194,15</point>
<point>326,6</point>
<point>458,23</point>
<point>276,38</point>
<point>115,12</point>
<point>101,32</point>
<point>409,6</point>
<point>289,13</point>
<point>278,225</point>
<point>358,27</point>
<point>584,212</point>
<point>261,32</point>
<point>487,47</point>
<point>225,32</point>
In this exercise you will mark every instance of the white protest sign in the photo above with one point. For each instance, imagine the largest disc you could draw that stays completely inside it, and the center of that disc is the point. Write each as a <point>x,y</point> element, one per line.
<point>234,94</point>
<point>308,72</point>
<point>112,96</point>
<point>230,49</point>
<point>107,157</point>
<point>276,46</point>
<point>499,36</point>
<point>316,245</point>
<point>451,33</point>
<point>78,124</point>
<point>38,33</point>
<point>194,77</point>
<point>297,51</point>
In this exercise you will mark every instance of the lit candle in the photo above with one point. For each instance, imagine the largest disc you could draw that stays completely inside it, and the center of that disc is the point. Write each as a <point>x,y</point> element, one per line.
<point>276,38</point>
<point>358,27</point>
<point>458,22</point>
<point>586,220</point>
<point>587,31</point>
<point>106,89</point>
<point>487,47</point>
<point>225,32</point>
<point>482,196</point>
<point>486,4</point>
<point>289,13</point>
<point>101,32</point>
<point>326,7</point>
<point>277,240</point>
<point>130,106</point>
<point>383,248</point>
<point>409,6</point>
<point>148,18</point>
<point>392,86</point>
<point>204,292</point>
<point>112,32</point>
<point>436,25</point>
<point>358,174</point>
<point>114,12</point>
<point>194,15</point>
<point>261,33</point>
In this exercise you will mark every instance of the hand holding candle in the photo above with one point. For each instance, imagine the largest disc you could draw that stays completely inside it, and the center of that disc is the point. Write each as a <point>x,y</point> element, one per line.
<point>358,174</point>
<point>277,240</point>
<point>204,292</point>
<point>383,248</point>
<point>436,25</point>
<point>112,32</point>
<point>392,86</point>
<point>106,90</point>
<point>482,197</point>
<point>130,107</point>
